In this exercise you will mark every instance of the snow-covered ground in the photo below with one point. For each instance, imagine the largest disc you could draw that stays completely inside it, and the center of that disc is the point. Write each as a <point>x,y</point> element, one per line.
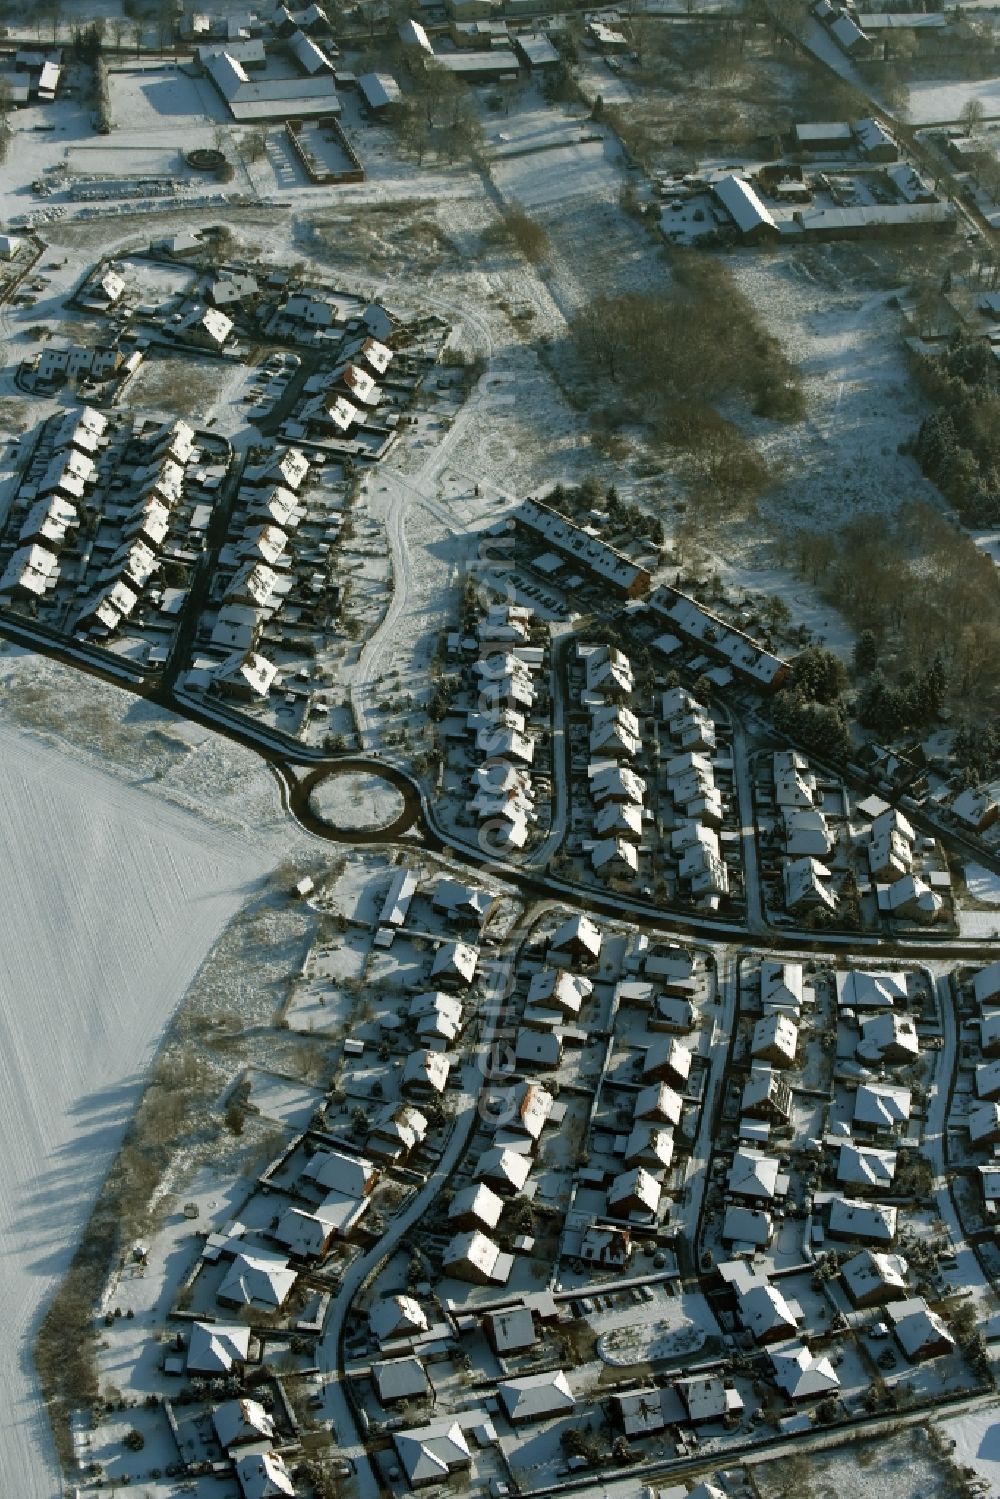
<point>982,884</point>
<point>861,400</point>
<point>934,102</point>
<point>977,1443</point>
<point>356,801</point>
<point>111,899</point>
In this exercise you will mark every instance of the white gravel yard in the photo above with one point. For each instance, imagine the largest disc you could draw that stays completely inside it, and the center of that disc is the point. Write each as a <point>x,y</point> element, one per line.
<point>111,899</point>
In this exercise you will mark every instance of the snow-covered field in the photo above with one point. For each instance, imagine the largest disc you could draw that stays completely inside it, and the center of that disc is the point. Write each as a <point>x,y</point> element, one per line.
<point>936,102</point>
<point>111,899</point>
<point>861,400</point>
<point>893,1467</point>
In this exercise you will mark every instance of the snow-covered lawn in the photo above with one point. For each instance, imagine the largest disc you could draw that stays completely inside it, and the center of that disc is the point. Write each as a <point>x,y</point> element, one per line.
<point>590,169</point>
<point>111,899</point>
<point>356,801</point>
<point>282,1099</point>
<point>982,884</point>
<point>977,1443</point>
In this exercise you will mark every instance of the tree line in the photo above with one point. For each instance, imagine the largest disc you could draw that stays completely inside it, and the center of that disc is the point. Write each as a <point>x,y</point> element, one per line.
<point>576,503</point>
<point>958,444</point>
<point>925,603</point>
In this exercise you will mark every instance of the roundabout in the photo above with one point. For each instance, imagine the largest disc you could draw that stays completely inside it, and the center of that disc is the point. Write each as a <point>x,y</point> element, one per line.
<point>356,802</point>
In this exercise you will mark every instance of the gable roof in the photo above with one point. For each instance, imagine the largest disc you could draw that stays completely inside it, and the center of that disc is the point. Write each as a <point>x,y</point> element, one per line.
<point>763,1310</point>
<point>744,207</point>
<point>851,1219</point>
<point>263,1475</point>
<point>396,1316</point>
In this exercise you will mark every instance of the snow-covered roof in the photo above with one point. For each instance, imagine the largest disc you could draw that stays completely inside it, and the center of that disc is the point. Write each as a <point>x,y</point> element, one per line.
<point>578,932</point>
<point>428,1454</point>
<point>257,1278</point>
<point>859,990</point>
<point>379,90</point>
<point>477,1201</point>
<point>263,1475</point>
<point>535,1397</point>
<point>238,1421</point>
<point>775,1036</point>
<point>881,1105</point>
<point>743,205</point>
<point>801,1375</point>
<point>754,1175</point>
<point>635,1187</point>
<point>873,1277</point>
<point>864,1166</point>
<point>853,1219</point>
<point>336,1171</point>
<point>765,1312</point>
<point>921,1332</point>
<point>504,1166</point>
<point>889,1037</point>
<point>426,1069</point>
<point>396,1316</point>
<point>399,1378</point>
<point>215,1347</point>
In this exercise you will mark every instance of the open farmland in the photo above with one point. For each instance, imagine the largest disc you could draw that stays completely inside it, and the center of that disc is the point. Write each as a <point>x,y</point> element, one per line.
<point>111,900</point>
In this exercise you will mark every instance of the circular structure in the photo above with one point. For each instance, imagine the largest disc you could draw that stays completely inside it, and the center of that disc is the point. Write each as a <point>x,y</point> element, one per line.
<point>357,801</point>
<point>205,159</point>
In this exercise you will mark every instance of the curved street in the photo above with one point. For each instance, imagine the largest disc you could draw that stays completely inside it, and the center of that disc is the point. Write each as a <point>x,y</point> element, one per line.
<point>475,1081</point>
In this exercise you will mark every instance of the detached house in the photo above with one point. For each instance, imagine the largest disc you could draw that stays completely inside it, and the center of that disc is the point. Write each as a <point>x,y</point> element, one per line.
<point>667,1060</point>
<point>775,1040</point>
<point>474,1257</point>
<point>425,1074</point>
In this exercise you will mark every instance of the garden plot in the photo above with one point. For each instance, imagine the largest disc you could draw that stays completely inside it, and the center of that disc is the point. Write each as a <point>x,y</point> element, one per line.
<point>982,884</point>
<point>360,889</point>
<point>288,1102</point>
<point>112,898</point>
<point>156,283</point>
<point>977,1444</point>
